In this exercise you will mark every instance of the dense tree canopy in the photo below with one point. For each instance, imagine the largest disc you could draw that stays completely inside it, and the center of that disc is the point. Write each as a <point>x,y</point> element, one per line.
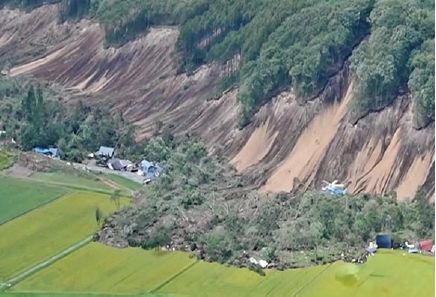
<point>383,63</point>
<point>37,118</point>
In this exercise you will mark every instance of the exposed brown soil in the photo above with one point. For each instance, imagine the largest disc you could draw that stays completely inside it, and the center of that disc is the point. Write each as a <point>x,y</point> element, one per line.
<point>286,141</point>
<point>19,171</point>
<point>256,148</point>
<point>310,148</point>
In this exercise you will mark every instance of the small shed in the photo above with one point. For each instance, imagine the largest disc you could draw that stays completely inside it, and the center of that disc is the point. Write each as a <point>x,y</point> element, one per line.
<point>105,151</point>
<point>426,245</point>
<point>384,241</point>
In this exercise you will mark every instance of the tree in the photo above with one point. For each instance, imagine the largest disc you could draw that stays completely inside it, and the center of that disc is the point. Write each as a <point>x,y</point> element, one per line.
<point>98,215</point>
<point>116,198</point>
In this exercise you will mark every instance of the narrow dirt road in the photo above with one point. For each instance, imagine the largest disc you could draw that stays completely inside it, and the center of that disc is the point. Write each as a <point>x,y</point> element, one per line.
<point>46,263</point>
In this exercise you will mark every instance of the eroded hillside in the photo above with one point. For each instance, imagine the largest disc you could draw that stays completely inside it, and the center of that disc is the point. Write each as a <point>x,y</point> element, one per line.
<point>286,145</point>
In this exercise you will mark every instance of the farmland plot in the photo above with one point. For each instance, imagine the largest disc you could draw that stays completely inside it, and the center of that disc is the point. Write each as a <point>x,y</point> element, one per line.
<point>388,273</point>
<point>97,268</point>
<point>48,230</point>
<point>18,196</point>
<point>206,279</point>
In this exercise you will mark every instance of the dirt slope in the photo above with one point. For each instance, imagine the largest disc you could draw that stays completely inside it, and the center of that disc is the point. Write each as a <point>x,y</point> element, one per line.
<point>286,145</point>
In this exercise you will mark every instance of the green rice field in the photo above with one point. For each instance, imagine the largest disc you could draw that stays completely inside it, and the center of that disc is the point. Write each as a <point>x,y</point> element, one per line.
<point>135,271</point>
<point>18,196</point>
<point>97,268</point>
<point>48,230</point>
<point>388,273</point>
<point>226,281</point>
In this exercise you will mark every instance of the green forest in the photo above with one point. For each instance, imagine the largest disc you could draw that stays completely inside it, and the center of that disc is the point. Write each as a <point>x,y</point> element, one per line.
<point>288,43</point>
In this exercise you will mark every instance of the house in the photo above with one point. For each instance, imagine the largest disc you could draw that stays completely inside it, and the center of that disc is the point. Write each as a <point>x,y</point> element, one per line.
<point>150,170</point>
<point>384,241</point>
<point>106,152</point>
<point>426,245</point>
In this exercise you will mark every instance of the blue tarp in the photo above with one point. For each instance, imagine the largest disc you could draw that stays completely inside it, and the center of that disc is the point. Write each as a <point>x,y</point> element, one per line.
<point>54,152</point>
<point>40,150</point>
<point>384,241</point>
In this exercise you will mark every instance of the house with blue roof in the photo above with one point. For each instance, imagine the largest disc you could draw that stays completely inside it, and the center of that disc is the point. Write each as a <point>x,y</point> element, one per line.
<point>150,170</point>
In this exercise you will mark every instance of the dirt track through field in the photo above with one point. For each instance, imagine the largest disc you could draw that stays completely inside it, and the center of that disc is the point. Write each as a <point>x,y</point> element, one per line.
<point>46,263</point>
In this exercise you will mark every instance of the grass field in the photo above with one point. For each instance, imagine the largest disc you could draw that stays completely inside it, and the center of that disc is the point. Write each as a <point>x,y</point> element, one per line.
<point>130,271</point>
<point>48,230</point>
<point>72,180</point>
<point>97,268</point>
<point>18,196</point>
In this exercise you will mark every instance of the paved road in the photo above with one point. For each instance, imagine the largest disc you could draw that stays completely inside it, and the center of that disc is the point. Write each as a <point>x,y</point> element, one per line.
<point>130,175</point>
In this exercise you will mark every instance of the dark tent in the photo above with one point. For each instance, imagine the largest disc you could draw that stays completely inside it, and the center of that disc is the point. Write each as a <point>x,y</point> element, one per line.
<point>115,164</point>
<point>384,241</point>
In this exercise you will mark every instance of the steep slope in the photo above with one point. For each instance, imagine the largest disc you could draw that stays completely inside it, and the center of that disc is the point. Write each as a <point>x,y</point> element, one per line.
<point>286,145</point>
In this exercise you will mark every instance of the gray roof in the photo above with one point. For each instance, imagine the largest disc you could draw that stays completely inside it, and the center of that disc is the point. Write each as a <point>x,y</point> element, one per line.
<point>106,151</point>
<point>116,164</point>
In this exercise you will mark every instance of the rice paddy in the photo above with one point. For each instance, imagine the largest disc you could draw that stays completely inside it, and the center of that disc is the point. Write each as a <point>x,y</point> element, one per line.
<point>219,280</point>
<point>388,273</point>
<point>46,231</point>
<point>97,268</point>
<point>20,196</point>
